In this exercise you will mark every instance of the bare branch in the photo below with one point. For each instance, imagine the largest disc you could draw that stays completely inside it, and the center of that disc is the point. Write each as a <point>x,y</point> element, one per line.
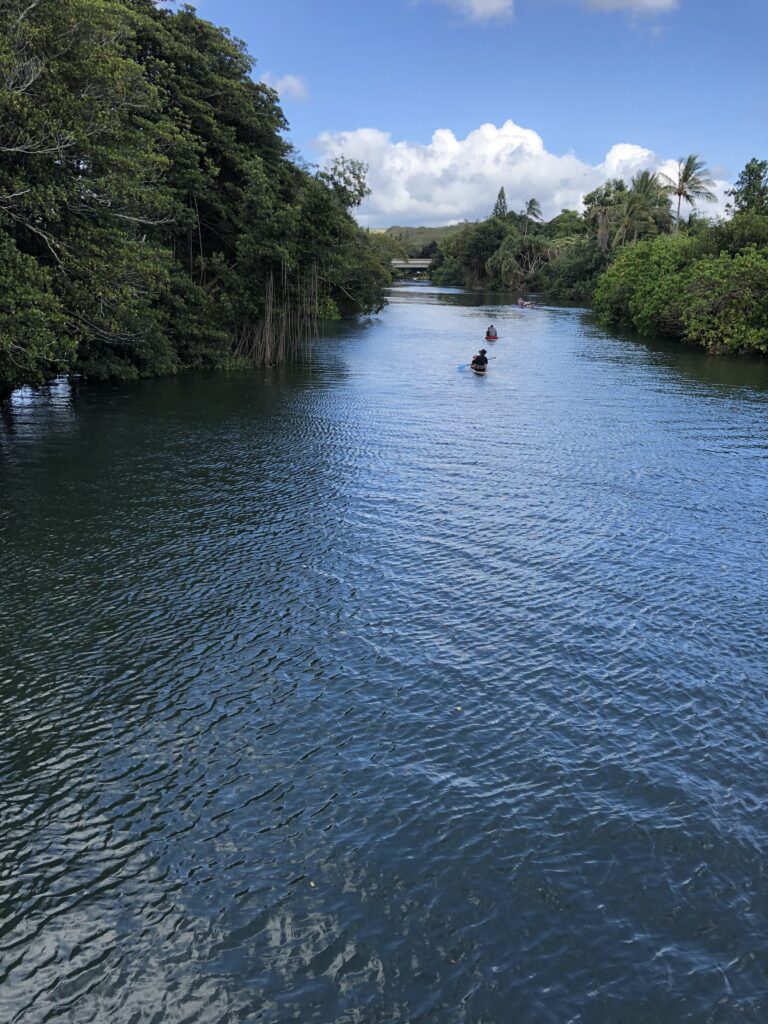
<point>48,239</point>
<point>27,10</point>
<point>14,195</point>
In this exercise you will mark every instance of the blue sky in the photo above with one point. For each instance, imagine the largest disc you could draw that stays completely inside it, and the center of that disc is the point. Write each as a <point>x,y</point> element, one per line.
<point>557,83</point>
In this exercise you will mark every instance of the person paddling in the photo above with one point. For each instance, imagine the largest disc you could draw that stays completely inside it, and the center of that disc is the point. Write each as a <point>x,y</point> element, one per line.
<point>480,361</point>
<point>490,334</point>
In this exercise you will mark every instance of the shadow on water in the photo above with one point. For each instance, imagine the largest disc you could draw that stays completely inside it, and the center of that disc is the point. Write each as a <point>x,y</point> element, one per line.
<point>34,411</point>
<point>426,292</point>
<point>728,372</point>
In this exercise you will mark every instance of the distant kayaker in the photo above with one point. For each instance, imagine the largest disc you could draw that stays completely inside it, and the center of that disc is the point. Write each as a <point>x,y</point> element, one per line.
<point>490,334</point>
<point>480,361</point>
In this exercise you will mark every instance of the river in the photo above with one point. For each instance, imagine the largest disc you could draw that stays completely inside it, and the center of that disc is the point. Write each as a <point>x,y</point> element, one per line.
<point>373,691</point>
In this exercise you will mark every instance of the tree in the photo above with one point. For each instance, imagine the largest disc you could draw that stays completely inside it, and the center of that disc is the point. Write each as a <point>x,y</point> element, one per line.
<point>500,209</point>
<point>567,224</point>
<point>532,212</point>
<point>600,210</point>
<point>633,217</point>
<point>692,288</point>
<point>462,259</point>
<point>692,183</point>
<point>647,187</point>
<point>639,211</point>
<point>642,286</point>
<point>153,216</point>
<point>81,181</point>
<point>573,269</point>
<point>750,193</point>
<point>347,178</point>
<point>726,302</point>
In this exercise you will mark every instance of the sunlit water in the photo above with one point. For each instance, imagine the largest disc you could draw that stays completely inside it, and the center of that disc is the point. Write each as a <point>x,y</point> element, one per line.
<point>378,692</point>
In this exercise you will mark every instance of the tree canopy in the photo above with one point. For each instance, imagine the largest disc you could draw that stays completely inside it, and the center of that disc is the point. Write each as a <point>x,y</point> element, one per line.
<point>500,207</point>
<point>750,192</point>
<point>691,184</point>
<point>153,216</point>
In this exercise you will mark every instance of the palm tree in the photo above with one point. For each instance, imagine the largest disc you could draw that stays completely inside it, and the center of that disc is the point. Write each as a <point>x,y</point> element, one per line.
<point>692,183</point>
<point>531,212</point>
<point>646,186</point>
<point>633,214</point>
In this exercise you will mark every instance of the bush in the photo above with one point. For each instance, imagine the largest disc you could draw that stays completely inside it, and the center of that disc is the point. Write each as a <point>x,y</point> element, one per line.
<point>660,287</point>
<point>726,302</point>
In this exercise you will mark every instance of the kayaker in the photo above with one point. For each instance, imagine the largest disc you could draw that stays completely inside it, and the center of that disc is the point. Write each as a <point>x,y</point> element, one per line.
<point>480,361</point>
<point>490,334</point>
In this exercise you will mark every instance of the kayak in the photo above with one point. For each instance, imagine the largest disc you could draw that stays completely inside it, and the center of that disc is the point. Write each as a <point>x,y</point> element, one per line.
<point>491,339</point>
<point>479,370</point>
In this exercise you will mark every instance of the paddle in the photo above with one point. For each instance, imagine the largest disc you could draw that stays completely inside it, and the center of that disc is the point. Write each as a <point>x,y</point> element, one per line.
<point>465,365</point>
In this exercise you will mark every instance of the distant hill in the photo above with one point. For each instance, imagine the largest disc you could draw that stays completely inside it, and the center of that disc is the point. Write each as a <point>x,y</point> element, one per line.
<point>416,240</point>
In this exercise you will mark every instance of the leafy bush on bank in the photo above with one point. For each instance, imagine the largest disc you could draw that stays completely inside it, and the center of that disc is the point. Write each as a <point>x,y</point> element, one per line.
<point>636,261</point>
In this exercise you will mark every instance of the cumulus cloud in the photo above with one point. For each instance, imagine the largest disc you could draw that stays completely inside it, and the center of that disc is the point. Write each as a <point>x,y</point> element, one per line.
<point>288,87</point>
<point>451,179</point>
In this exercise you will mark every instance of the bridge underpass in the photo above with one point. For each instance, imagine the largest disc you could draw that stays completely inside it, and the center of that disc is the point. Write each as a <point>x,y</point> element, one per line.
<point>416,266</point>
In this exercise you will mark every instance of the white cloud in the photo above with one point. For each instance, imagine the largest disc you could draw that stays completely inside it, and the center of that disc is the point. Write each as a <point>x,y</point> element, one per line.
<point>482,10</point>
<point>485,10</point>
<point>452,179</point>
<point>288,87</point>
<point>636,6</point>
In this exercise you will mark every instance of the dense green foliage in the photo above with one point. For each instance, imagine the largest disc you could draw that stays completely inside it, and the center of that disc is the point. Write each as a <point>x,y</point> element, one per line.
<point>421,241</point>
<point>750,193</point>
<point>674,286</point>
<point>500,206</point>
<point>632,255</point>
<point>152,215</point>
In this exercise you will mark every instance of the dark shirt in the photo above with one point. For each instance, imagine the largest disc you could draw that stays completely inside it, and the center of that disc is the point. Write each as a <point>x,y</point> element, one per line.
<point>480,361</point>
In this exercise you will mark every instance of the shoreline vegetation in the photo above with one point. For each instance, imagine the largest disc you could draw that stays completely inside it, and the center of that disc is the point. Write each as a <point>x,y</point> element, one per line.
<point>153,217</point>
<point>631,256</point>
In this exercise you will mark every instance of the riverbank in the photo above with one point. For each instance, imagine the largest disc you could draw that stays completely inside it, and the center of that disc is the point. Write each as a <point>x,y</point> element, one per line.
<point>705,284</point>
<point>176,230</point>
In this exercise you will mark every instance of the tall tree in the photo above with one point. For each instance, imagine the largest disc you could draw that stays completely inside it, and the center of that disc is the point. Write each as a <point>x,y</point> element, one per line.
<point>82,159</point>
<point>750,193</point>
<point>600,210</point>
<point>152,215</point>
<point>532,212</point>
<point>500,209</point>
<point>634,217</point>
<point>692,183</point>
<point>647,187</point>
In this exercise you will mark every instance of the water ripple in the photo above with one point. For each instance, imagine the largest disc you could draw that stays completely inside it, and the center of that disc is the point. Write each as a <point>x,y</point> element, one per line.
<point>356,693</point>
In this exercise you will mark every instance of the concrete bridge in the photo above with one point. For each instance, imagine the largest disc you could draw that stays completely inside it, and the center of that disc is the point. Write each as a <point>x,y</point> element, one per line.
<point>411,264</point>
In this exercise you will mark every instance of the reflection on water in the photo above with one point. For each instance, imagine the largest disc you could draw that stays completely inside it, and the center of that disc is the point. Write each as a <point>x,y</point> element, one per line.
<point>376,691</point>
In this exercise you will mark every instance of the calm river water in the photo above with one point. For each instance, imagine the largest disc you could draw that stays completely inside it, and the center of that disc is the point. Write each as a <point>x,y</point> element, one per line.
<point>377,692</point>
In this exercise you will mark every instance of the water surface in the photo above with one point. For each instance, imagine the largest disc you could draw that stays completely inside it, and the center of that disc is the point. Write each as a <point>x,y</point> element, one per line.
<point>375,691</point>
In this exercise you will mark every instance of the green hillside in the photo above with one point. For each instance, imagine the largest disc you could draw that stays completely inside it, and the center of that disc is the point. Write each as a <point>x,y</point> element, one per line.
<point>416,240</point>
